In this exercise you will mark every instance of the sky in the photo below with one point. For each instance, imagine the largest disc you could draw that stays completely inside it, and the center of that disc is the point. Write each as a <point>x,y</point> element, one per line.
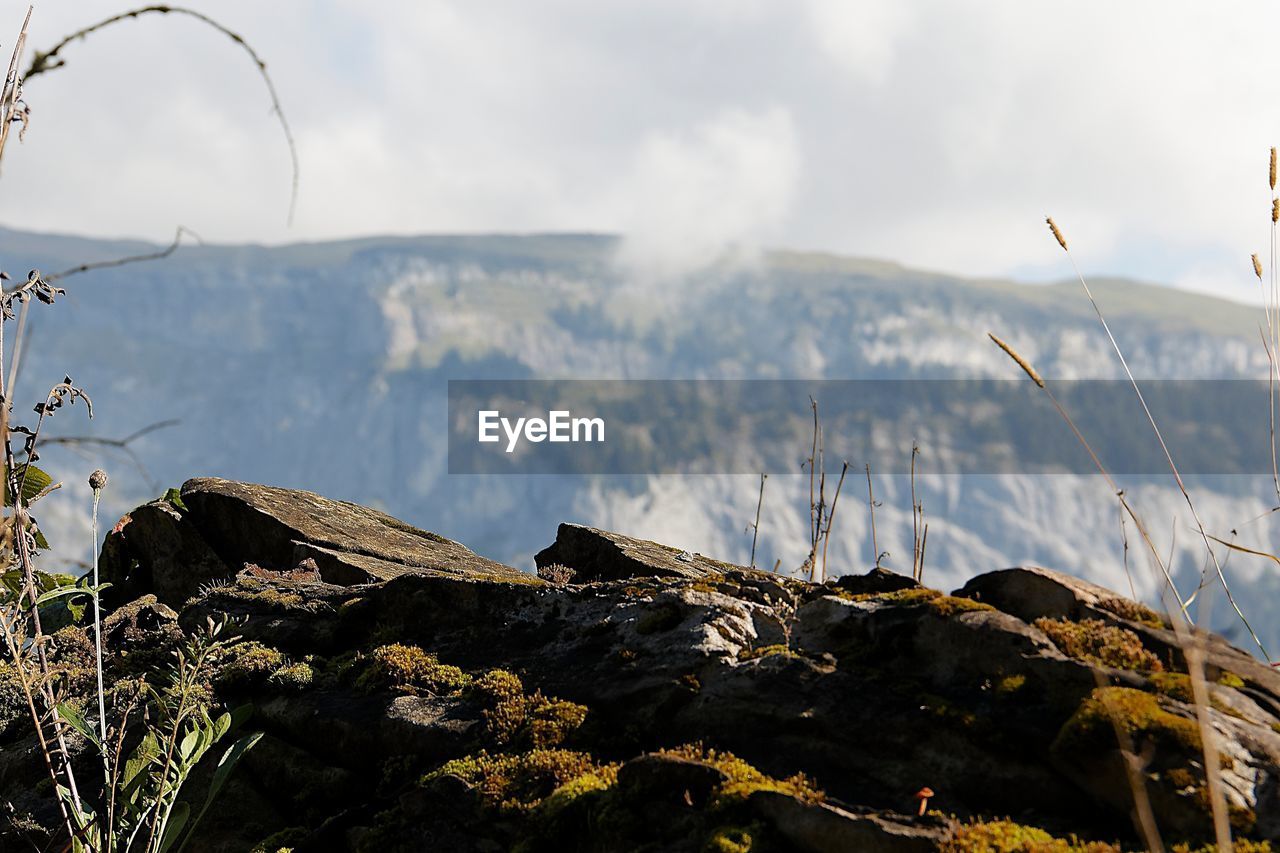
<point>936,134</point>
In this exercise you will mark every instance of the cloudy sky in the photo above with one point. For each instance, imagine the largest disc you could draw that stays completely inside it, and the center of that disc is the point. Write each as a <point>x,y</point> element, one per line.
<point>933,133</point>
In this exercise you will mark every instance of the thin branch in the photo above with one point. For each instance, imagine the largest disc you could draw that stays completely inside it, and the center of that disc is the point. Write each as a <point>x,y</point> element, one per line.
<point>157,255</point>
<point>51,59</point>
<point>755,528</point>
<point>75,442</point>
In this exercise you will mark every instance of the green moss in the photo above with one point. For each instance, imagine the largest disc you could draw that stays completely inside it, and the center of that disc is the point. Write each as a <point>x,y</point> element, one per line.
<point>251,591</point>
<point>767,651</point>
<point>511,716</point>
<point>247,664</point>
<point>409,669</point>
<point>729,839</point>
<point>1094,641</point>
<point>1010,685</point>
<point>1138,714</point>
<point>1177,685</point>
<point>1230,679</point>
<point>943,605</point>
<point>708,583</point>
<point>1132,611</point>
<point>743,779</point>
<point>601,779</point>
<point>1005,836</point>
<point>292,677</point>
<point>520,783</point>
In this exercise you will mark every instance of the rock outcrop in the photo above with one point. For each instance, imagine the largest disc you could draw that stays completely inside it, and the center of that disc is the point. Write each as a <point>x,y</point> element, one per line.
<point>416,696</point>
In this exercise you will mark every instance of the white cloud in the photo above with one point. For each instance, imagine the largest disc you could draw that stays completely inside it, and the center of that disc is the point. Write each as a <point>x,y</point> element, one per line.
<point>861,37</point>
<point>722,186</point>
<point>934,133</point>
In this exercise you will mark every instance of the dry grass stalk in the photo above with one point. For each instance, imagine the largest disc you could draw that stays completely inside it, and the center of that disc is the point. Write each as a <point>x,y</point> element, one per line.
<point>1053,226</point>
<point>755,528</point>
<point>831,517</point>
<point>871,508</point>
<point>1019,360</point>
<point>1168,455</point>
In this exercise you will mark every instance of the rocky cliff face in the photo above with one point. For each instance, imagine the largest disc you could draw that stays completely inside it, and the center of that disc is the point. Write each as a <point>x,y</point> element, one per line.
<point>416,696</point>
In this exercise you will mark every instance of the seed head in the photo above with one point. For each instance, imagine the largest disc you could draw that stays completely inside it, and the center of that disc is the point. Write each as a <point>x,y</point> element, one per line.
<point>1053,226</point>
<point>98,480</point>
<point>1257,264</point>
<point>1275,210</point>
<point>1273,168</point>
<point>1021,362</point>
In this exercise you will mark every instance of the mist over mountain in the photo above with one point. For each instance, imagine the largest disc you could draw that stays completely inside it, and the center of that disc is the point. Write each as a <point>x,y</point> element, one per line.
<point>325,367</point>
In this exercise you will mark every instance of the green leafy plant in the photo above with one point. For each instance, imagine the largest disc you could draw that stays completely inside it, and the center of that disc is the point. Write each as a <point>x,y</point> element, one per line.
<point>144,806</point>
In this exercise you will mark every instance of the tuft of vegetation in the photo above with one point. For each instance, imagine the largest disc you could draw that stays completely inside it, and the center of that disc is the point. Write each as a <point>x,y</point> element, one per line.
<point>511,716</point>
<point>409,669</point>
<point>247,664</point>
<point>1131,610</point>
<point>1006,836</point>
<point>1094,641</point>
<point>776,650</point>
<point>521,782</point>
<point>557,574</point>
<point>938,602</point>
<point>742,778</point>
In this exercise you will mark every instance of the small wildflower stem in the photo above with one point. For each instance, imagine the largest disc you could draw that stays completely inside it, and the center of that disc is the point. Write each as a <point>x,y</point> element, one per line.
<point>97,638</point>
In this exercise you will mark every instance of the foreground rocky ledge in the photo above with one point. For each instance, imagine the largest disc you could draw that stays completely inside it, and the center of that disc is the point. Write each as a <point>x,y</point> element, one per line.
<point>417,696</point>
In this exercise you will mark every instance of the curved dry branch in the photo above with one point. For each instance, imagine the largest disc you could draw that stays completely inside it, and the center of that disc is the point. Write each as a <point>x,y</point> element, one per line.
<point>44,61</point>
<point>130,259</point>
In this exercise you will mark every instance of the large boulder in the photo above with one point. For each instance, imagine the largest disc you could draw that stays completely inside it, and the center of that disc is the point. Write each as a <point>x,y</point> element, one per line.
<point>601,555</point>
<point>171,547</point>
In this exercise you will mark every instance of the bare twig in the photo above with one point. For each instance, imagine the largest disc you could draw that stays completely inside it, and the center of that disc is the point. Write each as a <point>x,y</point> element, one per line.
<point>51,59</point>
<point>831,517</point>
<point>755,528</point>
<point>871,508</point>
<point>159,254</point>
<point>1177,476</point>
<point>12,93</point>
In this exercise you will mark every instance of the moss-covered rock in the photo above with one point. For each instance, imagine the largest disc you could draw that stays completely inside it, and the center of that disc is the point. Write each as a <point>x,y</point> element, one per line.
<point>409,669</point>
<point>1096,642</point>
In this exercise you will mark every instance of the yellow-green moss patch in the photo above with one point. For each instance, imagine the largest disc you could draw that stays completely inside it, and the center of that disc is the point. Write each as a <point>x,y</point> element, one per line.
<point>1005,836</point>
<point>409,669</point>
<point>1131,610</point>
<point>743,779</point>
<point>1137,713</point>
<point>511,716</point>
<point>938,602</point>
<point>766,651</point>
<point>729,839</point>
<point>520,783</point>
<point>292,677</point>
<point>247,664</point>
<point>1094,641</point>
<point>1227,678</point>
